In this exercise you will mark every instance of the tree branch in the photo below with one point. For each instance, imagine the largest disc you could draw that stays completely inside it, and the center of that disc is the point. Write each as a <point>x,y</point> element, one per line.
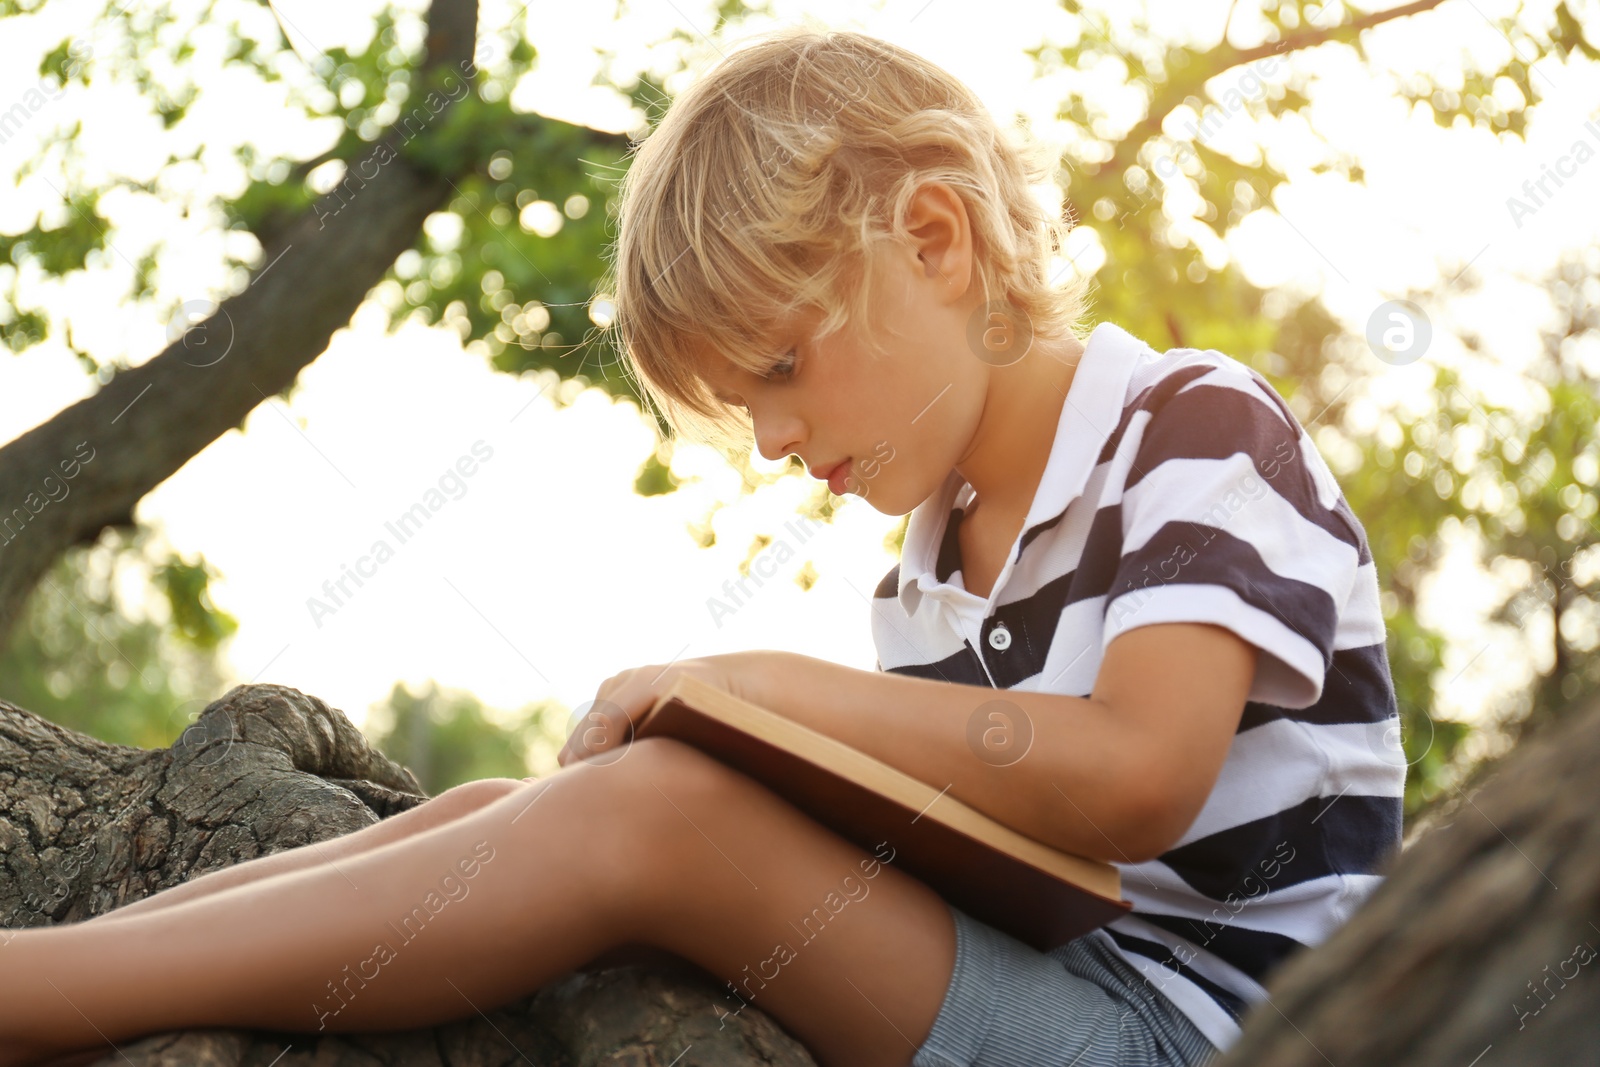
<point>1224,57</point>
<point>1344,32</point>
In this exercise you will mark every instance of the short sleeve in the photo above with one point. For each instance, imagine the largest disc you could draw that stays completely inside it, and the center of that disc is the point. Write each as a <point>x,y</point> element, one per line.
<point>1230,516</point>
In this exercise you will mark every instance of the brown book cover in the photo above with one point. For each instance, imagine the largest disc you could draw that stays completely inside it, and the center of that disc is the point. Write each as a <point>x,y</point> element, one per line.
<point>1031,891</point>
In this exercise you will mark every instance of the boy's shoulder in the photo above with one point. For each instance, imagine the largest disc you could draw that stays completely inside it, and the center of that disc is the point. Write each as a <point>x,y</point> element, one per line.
<point>1161,376</point>
<point>1214,403</point>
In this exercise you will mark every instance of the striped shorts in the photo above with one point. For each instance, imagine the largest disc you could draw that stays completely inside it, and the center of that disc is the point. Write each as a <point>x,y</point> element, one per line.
<point>1079,1005</point>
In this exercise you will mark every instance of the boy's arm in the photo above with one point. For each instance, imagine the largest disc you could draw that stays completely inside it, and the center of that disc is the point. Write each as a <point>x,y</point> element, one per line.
<point>1118,775</point>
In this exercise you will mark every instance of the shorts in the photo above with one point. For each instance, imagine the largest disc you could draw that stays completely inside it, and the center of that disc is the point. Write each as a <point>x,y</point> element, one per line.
<point>1079,1005</point>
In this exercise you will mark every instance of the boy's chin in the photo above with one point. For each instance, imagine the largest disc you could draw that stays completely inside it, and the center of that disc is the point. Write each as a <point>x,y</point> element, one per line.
<point>884,502</point>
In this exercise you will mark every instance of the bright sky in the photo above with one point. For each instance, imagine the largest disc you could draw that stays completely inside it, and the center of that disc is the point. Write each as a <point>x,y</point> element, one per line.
<point>546,574</point>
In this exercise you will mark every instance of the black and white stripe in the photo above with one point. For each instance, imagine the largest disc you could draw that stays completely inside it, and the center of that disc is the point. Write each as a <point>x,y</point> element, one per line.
<point>1181,488</point>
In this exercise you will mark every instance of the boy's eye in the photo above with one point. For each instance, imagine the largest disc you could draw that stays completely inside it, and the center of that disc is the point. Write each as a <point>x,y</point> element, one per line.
<point>784,368</point>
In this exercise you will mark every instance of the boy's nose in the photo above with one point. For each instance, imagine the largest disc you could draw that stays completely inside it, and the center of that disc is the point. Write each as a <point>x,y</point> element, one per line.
<point>777,435</point>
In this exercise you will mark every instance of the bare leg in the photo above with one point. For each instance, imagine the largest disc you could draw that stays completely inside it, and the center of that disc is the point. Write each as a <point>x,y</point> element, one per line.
<point>664,847</point>
<point>451,804</point>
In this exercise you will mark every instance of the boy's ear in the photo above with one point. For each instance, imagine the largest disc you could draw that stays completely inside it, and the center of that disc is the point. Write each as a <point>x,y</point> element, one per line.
<point>942,237</point>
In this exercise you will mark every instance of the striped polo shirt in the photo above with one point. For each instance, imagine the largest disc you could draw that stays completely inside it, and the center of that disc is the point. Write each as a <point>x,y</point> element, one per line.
<point>1181,488</point>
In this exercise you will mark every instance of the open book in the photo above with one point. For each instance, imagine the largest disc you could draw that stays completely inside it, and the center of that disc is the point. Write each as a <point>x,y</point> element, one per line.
<point>1036,894</point>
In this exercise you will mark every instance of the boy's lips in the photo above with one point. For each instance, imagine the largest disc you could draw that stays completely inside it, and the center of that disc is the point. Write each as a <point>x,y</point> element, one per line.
<point>830,474</point>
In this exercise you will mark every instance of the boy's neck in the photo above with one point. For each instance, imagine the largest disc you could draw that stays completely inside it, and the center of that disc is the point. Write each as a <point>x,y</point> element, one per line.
<point>1017,428</point>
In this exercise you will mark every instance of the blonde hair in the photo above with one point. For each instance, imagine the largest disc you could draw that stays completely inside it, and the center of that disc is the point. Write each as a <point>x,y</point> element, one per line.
<point>769,184</point>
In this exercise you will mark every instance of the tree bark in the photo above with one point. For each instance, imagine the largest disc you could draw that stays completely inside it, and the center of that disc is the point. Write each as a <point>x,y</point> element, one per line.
<point>87,826</point>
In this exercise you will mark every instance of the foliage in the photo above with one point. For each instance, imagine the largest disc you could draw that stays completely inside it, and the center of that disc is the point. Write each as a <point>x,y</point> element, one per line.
<point>82,658</point>
<point>446,737</point>
<point>194,616</point>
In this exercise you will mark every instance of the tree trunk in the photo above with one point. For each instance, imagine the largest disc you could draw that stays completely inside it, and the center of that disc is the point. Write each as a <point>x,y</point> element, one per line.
<point>87,826</point>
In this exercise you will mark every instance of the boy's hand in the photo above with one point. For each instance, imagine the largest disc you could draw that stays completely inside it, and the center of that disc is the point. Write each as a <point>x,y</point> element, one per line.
<point>608,720</point>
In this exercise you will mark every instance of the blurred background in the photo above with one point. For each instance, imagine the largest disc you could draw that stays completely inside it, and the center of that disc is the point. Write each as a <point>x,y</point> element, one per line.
<point>1389,211</point>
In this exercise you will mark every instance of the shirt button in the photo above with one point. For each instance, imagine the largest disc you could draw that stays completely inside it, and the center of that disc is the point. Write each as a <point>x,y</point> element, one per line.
<point>1000,637</point>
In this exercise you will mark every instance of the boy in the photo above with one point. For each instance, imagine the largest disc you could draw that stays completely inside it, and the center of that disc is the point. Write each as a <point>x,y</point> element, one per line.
<point>1062,495</point>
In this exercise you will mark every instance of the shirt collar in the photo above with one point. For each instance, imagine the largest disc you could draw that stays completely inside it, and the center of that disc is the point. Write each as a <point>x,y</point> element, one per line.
<point>1092,409</point>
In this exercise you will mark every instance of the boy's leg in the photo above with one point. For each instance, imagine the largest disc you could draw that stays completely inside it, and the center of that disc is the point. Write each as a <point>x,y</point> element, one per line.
<point>450,804</point>
<point>664,846</point>
<point>851,954</point>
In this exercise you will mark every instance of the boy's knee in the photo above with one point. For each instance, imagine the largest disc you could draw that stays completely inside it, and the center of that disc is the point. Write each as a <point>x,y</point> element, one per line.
<point>480,791</point>
<point>648,794</point>
<point>664,766</point>
<point>644,810</point>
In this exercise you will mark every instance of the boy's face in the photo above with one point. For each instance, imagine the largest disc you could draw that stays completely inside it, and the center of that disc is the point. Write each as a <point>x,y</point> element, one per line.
<point>902,419</point>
